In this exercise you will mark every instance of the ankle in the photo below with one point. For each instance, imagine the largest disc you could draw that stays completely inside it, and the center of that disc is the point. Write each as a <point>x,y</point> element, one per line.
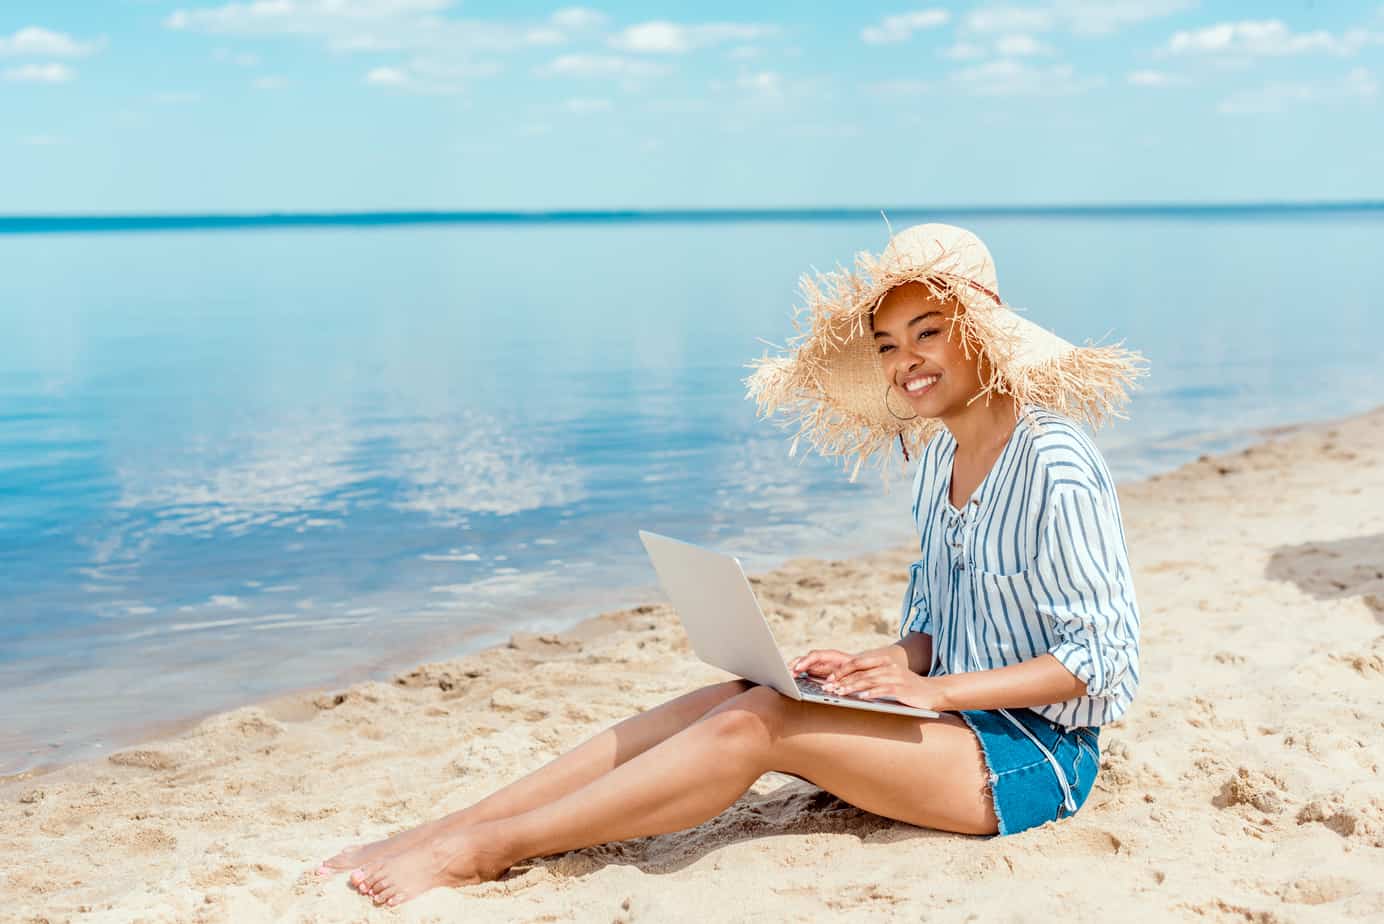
<point>499,841</point>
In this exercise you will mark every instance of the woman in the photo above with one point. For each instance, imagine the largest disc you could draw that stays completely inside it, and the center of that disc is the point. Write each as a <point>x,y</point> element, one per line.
<point>1019,623</point>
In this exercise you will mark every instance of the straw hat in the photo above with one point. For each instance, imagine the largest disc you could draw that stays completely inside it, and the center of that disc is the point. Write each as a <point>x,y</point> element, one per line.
<point>829,381</point>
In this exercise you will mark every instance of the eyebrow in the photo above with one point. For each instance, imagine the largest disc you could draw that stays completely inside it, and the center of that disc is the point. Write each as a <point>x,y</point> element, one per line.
<point>883,333</point>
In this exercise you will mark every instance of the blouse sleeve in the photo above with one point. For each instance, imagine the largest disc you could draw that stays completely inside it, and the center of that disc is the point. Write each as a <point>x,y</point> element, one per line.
<point>1085,593</point>
<point>916,616</point>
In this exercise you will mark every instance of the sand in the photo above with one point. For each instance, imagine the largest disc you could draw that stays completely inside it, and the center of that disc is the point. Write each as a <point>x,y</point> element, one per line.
<point>1245,784</point>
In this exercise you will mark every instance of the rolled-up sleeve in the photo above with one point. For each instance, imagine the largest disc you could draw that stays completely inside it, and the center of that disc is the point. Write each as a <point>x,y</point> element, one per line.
<point>916,616</point>
<point>1085,592</point>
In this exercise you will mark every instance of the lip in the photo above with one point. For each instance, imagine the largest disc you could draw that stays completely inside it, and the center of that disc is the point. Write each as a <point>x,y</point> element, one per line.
<point>903,386</point>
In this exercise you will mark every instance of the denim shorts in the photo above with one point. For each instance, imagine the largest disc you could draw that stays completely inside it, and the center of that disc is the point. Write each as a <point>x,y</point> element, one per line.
<point>1026,788</point>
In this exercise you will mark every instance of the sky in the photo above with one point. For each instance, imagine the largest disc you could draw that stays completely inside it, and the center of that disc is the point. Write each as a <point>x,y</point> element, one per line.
<point>137,106</point>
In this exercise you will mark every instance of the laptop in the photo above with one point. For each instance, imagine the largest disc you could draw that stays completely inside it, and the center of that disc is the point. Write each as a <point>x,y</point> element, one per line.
<point>727,629</point>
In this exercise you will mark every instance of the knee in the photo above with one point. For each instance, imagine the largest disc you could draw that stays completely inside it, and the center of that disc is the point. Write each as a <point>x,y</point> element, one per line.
<point>756,714</point>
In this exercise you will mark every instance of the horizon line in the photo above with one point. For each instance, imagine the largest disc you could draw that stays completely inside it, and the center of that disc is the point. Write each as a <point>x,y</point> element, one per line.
<point>173,221</point>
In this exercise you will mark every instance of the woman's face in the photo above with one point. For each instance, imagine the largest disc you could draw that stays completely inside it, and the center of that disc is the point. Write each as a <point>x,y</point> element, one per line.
<point>920,358</point>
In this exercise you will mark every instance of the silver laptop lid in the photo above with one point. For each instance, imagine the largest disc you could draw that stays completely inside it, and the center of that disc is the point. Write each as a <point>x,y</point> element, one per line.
<point>719,610</point>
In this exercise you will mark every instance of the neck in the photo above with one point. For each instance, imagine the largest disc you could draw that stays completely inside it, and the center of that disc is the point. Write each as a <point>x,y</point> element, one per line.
<point>983,424</point>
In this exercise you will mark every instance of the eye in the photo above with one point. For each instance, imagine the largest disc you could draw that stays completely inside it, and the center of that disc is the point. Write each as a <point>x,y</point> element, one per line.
<point>924,334</point>
<point>886,347</point>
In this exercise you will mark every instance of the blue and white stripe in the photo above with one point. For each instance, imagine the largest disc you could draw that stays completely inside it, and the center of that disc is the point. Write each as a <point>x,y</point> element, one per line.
<point>1035,562</point>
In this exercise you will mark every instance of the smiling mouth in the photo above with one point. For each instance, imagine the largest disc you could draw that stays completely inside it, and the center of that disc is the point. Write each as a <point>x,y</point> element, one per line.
<point>922,383</point>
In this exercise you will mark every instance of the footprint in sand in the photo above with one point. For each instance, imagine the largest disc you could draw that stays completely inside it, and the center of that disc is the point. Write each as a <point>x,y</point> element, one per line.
<point>1263,791</point>
<point>1319,891</point>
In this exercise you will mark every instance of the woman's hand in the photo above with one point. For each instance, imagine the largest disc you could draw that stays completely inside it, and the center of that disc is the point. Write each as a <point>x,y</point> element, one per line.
<point>876,675</point>
<point>819,662</point>
<point>825,662</point>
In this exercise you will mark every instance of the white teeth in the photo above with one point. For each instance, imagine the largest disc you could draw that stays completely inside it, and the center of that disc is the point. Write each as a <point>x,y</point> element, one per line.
<point>920,384</point>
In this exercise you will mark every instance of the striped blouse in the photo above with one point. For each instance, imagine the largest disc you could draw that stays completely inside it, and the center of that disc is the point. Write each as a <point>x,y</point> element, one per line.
<point>1034,563</point>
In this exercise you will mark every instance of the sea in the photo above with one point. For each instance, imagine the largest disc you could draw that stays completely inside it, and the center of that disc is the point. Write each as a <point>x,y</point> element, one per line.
<point>241,458</point>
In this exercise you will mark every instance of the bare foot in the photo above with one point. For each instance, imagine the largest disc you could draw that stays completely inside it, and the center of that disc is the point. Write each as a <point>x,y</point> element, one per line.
<point>361,854</point>
<point>454,858</point>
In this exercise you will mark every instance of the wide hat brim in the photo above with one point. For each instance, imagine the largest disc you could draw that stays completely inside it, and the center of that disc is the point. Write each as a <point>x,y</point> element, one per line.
<point>828,380</point>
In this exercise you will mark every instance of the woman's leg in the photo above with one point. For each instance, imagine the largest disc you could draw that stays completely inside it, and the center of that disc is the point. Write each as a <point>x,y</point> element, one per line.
<point>928,772</point>
<point>560,776</point>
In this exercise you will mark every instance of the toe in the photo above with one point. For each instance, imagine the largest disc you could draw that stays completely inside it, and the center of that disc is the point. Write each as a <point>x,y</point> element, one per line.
<point>375,877</point>
<point>362,876</point>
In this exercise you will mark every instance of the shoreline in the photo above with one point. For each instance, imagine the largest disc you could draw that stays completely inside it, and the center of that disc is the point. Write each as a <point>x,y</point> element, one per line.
<point>1247,782</point>
<point>124,736</point>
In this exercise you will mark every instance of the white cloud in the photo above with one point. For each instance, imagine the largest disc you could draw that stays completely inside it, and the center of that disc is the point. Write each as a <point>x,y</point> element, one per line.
<point>744,53</point>
<point>1360,84</point>
<point>1010,19</point>
<point>1083,17</point>
<point>38,41</point>
<point>1020,46</point>
<point>1007,77</point>
<point>1267,38</point>
<point>40,141</point>
<point>583,106</point>
<point>268,82</point>
<point>429,74</point>
<point>762,84</point>
<point>577,18</point>
<point>1101,17</point>
<point>585,65</point>
<point>663,37</point>
<point>356,26</point>
<point>387,77</point>
<point>964,51</point>
<point>302,17</point>
<point>177,97</point>
<point>1152,78</point>
<point>900,28</point>
<point>39,73</point>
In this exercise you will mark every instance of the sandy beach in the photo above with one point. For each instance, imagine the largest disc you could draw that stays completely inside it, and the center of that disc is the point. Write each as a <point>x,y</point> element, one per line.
<point>1245,784</point>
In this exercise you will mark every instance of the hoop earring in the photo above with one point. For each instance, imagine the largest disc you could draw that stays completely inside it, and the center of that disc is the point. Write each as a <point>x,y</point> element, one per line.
<point>887,390</point>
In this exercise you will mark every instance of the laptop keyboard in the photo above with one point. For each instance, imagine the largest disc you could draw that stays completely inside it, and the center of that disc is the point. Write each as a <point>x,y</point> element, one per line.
<point>810,686</point>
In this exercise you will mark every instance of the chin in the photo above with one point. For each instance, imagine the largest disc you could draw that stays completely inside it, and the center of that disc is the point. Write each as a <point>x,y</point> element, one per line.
<point>929,405</point>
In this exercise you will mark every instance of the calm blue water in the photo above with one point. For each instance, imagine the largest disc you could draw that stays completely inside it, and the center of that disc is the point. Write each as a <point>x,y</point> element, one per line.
<point>234,463</point>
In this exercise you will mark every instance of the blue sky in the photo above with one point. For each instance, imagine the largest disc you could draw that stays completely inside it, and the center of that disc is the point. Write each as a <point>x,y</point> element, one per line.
<point>148,105</point>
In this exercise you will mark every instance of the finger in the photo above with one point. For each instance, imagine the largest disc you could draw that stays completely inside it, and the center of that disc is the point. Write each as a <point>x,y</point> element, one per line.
<point>864,680</point>
<point>854,665</point>
<point>817,662</point>
<point>873,685</point>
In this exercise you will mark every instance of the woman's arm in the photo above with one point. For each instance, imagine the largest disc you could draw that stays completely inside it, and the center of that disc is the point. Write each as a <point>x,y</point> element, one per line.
<point>1035,682</point>
<point>917,649</point>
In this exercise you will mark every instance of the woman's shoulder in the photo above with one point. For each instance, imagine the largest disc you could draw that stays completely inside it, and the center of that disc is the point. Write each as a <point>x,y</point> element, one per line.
<point>1064,453</point>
